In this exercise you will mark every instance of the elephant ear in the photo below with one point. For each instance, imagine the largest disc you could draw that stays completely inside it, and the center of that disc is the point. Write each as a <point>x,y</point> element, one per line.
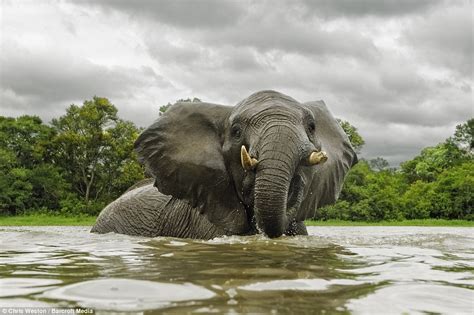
<point>182,151</point>
<point>329,177</point>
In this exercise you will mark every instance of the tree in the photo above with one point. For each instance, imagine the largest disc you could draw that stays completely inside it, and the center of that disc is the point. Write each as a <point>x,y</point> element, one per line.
<point>119,167</point>
<point>163,108</point>
<point>15,191</point>
<point>48,187</point>
<point>463,137</point>
<point>28,138</point>
<point>93,146</point>
<point>432,161</point>
<point>28,180</point>
<point>189,100</point>
<point>368,195</point>
<point>453,193</point>
<point>417,200</point>
<point>378,164</point>
<point>356,180</point>
<point>354,137</point>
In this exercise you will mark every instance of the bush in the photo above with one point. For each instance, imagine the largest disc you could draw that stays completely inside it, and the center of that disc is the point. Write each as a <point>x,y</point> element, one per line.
<point>454,192</point>
<point>73,206</point>
<point>338,211</point>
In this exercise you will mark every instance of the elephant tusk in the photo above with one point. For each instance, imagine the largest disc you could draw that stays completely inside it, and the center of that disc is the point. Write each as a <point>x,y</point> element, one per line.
<point>318,157</point>
<point>248,163</point>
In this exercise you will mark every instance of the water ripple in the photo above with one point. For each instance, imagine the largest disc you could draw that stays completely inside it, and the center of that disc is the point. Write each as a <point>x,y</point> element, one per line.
<point>334,270</point>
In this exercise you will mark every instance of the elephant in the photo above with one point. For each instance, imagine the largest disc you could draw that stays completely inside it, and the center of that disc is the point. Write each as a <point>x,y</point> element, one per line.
<point>262,166</point>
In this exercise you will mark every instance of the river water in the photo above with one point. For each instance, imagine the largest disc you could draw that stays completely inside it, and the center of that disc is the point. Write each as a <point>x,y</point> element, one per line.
<point>376,270</point>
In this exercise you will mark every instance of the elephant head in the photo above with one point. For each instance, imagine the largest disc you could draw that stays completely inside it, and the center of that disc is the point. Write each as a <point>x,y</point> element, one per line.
<point>269,161</point>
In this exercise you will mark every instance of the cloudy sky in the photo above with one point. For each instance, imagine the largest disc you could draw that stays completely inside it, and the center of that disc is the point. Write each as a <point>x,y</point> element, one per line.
<point>400,71</point>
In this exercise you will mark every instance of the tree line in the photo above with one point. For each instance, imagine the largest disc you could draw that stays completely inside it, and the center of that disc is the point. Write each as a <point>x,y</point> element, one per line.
<point>84,159</point>
<point>438,183</point>
<point>76,165</point>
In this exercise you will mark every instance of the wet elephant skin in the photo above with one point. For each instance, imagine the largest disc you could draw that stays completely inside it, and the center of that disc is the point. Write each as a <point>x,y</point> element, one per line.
<point>262,166</point>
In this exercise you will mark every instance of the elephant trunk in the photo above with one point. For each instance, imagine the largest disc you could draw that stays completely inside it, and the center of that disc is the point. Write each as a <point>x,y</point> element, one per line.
<point>277,164</point>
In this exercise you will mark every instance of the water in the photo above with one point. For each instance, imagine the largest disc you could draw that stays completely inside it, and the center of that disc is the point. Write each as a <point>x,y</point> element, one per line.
<point>335,269</point>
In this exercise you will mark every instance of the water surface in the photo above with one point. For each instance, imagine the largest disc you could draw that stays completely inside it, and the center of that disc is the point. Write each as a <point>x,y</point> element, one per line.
<point>335,269</point>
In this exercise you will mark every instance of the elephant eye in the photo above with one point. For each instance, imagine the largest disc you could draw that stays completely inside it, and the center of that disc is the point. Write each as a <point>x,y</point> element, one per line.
<point>311,127</point>
<point>236,131</point>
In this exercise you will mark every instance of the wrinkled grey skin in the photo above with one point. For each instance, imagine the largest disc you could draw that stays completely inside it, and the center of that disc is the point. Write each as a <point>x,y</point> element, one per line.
<point>200,189</point>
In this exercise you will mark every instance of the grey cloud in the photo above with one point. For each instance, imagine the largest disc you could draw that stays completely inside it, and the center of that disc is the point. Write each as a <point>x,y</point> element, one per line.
<point>180,13</point>
<point>69,26</point>
<point>362,8</point>
<point>41,82</point>
<point>167,53</point>
<point>390,91</point>
<point>277,26</point>
<point>242,60</point>
<point>293,38</point>
<point>194,57</point>
<point>397,142</point>
<point>215,13</point>
<point>428,114</point>
<point>264,26</point>
<point>394,89</point>
<point>444,38</point>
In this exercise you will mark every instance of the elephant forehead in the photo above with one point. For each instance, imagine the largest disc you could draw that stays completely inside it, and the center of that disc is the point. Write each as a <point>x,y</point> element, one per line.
<point>267,109</point>
<point>263,101</point>
<point>263,96</point>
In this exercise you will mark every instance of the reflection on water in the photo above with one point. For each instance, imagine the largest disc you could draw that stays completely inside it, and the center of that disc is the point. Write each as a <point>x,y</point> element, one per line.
<point>128,294</point>
<point>335,269</point>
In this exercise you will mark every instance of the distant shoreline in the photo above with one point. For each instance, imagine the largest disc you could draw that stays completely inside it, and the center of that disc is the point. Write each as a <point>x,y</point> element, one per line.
<point>59,220</point>
<point>416,222</point>
<point>46,220</point>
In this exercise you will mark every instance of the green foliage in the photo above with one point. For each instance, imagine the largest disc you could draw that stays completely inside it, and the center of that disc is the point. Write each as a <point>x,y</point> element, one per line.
<point>367,195</point>
<point>415,222</point>
<point>464,136</point>
<point>95,149</point>
<point>27,138</point>
<point>432,161</point>
<point>48,186</point>
<point>354,137</point>
<point>28,179</point>
<point>74,205</point>
<point>438,183</point>
<point>417,200</point>
<point>15,190</point>
<point>23,189</point>
<point>7,160</point>
<point>40,218</point>
<point>378,164</point>
<point>76,166</point>
<point>454,191</point>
